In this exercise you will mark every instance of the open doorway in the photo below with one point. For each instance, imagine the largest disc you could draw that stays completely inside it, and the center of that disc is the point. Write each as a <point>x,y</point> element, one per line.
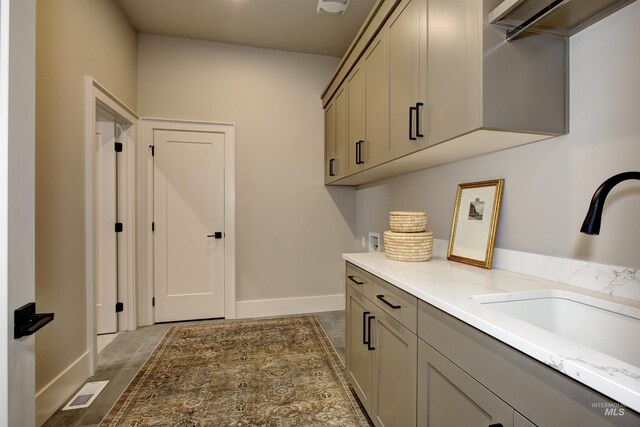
<point>111,135</point>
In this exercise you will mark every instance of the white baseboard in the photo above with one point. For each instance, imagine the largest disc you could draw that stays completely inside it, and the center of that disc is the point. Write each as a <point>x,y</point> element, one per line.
<point>50,397</point>
<point>284,306</point>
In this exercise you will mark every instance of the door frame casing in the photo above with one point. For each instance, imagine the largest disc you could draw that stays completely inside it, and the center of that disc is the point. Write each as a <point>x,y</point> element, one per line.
<point>96,94</point>
<point>145,212</point>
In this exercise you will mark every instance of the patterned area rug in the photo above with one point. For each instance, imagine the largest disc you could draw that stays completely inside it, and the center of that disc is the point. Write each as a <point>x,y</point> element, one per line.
<point>273,372</point>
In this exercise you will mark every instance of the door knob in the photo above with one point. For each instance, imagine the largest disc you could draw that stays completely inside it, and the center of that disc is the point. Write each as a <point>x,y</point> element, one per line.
<point>216,235</point>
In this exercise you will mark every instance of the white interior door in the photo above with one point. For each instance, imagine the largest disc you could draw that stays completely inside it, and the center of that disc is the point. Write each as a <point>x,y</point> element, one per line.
<point>106,245</point>
<point>188,211</point>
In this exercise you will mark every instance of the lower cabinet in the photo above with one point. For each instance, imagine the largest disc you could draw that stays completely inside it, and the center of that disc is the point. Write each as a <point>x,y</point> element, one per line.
<point>480,366</point>
<point>447,396</point>
<point>359,357</point>
<point>381,362</point>
<point>412,364</point>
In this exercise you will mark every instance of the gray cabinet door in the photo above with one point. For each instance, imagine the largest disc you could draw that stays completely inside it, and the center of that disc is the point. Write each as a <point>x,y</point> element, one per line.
<point>329,142</point>
<point>520,421</point>
<point>356,149</point>
<point>407,76</point>
<point>447,396</point>
<point>340,165</point>
<point>335,136</point>
<point>376,104</point>
<point>359,357</point>
<point>453,69</point>
<point>394,373</point>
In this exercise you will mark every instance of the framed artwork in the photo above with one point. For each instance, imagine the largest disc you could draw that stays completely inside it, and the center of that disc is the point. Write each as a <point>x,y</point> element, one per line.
<point>475,221</point>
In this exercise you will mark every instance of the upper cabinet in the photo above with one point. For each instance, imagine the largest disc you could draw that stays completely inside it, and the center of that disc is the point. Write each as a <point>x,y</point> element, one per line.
<point>335,133</point>
<point>376,102</point>
<point>438,83</point>
<point>406,29</point>
<point>355,120</point>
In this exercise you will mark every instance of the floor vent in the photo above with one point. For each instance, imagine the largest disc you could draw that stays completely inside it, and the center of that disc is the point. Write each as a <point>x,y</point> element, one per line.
<point>86,395</point>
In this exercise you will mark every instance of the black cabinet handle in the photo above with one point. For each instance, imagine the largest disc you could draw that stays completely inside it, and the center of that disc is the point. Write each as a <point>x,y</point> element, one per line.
<point>369,346</point>
<point>381,298</point>
<point>364,327</point>
<point>418,105</point>
<point>411,110</point>
<point>495,425</point>
<point>359,160</point>
<point>332,172</point>
<point>355,281</point>
<point>217,235</point>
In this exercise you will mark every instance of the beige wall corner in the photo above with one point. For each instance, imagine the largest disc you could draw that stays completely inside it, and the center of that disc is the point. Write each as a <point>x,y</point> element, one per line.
<point>74,38</point>
<point>291,229</point>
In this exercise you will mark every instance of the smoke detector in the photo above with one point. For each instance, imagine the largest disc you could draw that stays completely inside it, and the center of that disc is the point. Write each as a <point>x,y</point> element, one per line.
<point>332,7</point>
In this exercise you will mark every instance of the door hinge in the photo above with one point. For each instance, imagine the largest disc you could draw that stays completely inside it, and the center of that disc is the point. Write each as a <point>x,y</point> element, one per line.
<point>153,150</point>
<point>153,302</point>
<point>153,226</point>
<point>119,307</point>
<point>118,147</point>
<point>119,227</point>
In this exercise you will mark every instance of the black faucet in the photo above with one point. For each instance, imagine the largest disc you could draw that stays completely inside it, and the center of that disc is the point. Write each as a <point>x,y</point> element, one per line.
<point>591,224</point>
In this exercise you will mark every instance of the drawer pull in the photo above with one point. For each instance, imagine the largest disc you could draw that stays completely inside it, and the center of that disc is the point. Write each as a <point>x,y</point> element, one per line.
<point>495,425</point>
<point>369,346</point>
<point>381,298</point>
<point>355,281</point>
<point>364,327</point>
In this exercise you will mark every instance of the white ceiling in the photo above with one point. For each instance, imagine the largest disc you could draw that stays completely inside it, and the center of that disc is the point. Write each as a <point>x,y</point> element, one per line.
<point>290,25</point>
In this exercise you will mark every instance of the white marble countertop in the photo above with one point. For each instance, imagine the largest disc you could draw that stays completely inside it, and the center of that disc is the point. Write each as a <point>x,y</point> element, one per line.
<point>449,286</point>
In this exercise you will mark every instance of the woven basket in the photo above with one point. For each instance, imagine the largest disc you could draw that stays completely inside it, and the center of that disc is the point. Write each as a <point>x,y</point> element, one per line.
<point>407,222</point>
<point>412,247</point>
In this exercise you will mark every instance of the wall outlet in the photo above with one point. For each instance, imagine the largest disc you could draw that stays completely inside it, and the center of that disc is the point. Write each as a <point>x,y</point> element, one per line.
<point>364,242</point>
<point>374,242</point>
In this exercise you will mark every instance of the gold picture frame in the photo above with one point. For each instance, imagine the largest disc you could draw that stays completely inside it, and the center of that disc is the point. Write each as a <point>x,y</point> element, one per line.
<point>475,221</point>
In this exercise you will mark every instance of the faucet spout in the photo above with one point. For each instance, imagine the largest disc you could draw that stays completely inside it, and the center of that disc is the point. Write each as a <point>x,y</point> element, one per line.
<point>591,224</point>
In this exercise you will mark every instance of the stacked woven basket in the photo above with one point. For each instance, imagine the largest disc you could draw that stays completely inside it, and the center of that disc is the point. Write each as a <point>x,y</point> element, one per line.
<point>408,239</point>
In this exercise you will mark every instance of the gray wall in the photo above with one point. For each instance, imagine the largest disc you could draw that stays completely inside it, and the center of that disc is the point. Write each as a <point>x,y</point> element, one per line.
<point>548,184</point>
<point>291,229</point>
<point>74,39</point>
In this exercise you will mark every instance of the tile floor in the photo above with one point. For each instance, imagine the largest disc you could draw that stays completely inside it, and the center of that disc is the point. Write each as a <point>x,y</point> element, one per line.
<point>120,360</point>
<point>104,340</point>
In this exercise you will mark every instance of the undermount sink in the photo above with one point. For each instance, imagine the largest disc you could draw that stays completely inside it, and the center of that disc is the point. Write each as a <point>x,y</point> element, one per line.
<point>604,326</point>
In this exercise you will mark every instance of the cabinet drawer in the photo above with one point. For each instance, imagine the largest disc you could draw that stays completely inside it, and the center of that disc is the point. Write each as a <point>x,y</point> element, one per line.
<point>397,303</point>
<point>359,279</point>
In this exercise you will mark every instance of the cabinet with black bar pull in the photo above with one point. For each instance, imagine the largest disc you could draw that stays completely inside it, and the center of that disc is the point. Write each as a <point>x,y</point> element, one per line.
<point>454,88</point>
<point>407,34</point>
<point>381,349</point>
<point>413,364</point>
<point>356,150</point>
<point>335,131</point>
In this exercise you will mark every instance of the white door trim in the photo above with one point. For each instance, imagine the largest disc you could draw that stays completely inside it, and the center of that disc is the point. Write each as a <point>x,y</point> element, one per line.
<point>95,94</point>
<point>145,213</point>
